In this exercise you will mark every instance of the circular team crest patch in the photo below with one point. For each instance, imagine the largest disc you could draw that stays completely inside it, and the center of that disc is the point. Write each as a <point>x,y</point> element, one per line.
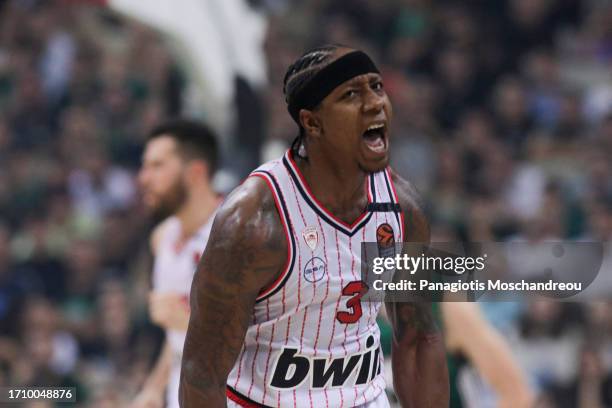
<point>314,270</point>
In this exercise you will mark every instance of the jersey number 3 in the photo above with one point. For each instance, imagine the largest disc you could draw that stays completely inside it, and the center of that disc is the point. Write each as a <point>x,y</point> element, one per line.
<point>355,289</point>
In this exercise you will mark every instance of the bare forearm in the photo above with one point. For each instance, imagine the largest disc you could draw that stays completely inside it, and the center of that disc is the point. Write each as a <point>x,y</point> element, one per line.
<point>210,351</point>
<point>420,375</point>
<point>161,372</point>
<point>214,338</point>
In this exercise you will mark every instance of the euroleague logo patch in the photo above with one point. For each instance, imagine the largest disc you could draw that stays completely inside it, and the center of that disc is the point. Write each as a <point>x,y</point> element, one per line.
<point>314,270</point>
<point>385,237</point>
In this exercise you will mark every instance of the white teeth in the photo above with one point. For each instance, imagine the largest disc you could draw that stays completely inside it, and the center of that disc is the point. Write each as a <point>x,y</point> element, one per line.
<point>376,126</point>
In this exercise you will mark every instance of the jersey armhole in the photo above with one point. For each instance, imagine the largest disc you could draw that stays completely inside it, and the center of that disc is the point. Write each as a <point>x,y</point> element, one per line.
<point>281,207</point>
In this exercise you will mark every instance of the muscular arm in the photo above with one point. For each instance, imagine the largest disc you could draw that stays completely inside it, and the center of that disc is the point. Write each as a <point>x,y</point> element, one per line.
<point>469,332</point>
<point>245,252</point>
<point>420,375</point>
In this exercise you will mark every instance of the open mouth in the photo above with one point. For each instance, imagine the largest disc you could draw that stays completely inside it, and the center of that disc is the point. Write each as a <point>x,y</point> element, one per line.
<point>374,138</point>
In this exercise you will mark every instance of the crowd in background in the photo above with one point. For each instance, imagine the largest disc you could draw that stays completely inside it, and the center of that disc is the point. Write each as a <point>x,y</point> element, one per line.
<point>503,121</point>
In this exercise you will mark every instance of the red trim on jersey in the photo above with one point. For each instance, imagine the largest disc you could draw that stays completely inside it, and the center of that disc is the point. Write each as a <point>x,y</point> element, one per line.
<point>402,232</point>
<point>285,223</point>
<point>308,191</point>
<point>241,399</point>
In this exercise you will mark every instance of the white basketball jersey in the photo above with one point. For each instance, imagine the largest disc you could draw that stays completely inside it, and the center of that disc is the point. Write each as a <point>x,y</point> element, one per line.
<point>175,265</point>
<point>312,342</point>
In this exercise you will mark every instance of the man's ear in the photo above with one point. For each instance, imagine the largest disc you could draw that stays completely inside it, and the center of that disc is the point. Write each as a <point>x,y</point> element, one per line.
<point>196,171</point>
<point>310,122</point>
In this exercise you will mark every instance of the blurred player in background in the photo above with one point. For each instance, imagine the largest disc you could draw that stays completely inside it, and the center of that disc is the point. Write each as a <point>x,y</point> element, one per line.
<point>277,317</point>
<point>472,342</point>
<point>176,177</point>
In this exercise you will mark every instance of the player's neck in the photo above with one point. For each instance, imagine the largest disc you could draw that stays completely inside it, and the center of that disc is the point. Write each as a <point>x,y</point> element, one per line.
<point>196,211</point>
<point>335,186</point>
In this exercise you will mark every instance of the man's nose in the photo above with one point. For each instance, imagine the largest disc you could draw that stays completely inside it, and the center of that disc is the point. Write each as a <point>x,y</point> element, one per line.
<point>373,102</point>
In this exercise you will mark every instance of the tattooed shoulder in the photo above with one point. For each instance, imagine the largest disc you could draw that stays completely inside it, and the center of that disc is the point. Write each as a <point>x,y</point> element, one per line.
<point>246,250</point>
<point>247,239</point>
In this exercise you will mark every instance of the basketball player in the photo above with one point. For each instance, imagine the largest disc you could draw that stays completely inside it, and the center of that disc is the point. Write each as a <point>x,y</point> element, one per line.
<point>471,341</point>
<point>178,164</point>
<point>276,316</point>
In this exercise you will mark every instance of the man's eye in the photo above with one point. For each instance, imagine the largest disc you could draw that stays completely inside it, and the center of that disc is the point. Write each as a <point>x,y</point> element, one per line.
<point>350,93</point>
<point>377,86</point>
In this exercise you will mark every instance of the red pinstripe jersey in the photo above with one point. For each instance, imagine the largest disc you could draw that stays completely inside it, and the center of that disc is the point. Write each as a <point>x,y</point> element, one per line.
<point>175,265</point>
<point>312,342</point>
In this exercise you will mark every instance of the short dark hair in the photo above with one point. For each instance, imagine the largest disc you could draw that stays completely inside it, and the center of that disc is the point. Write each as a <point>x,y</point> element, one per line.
<point>195,140</point>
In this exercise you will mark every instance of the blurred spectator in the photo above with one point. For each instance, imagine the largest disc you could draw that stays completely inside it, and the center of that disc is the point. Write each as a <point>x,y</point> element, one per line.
<point>549,343</point>
<point>513,121</point>
<point>592,387</point>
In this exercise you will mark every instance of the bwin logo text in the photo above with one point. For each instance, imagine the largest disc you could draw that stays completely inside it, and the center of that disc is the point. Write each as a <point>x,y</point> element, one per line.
<point>292,369</point>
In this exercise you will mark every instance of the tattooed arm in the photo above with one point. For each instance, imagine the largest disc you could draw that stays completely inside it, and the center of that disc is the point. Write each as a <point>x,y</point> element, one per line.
<point>420,375</point>
<point>245,252</point>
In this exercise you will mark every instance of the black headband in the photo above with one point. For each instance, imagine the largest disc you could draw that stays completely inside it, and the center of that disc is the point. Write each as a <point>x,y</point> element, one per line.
<point>329,78</point>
